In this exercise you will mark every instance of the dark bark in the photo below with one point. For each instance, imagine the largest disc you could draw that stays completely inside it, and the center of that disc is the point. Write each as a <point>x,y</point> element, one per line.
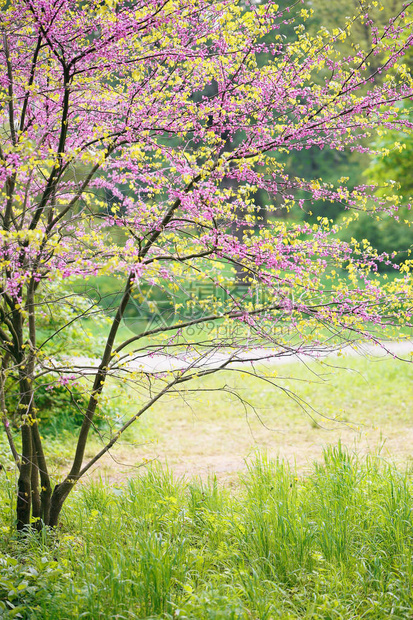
<point>46,488</point>
<point>24,482</point>
<point>60,493</point>
<point>36,503</point>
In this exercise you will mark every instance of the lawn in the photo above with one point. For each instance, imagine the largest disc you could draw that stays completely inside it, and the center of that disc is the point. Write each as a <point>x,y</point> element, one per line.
<point>308,515</point>
<point>364,402</point>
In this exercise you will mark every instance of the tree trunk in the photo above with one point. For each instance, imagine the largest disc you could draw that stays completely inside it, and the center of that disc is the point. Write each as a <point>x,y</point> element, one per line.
<point>36,504</point>
<point>60,493</point>
<point>24,483</point>
<point>46,489</point>
<point>31,502</point>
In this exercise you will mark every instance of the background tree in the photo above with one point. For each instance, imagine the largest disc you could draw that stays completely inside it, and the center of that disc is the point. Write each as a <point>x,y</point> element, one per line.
<point>100,99</point>
<point>388,164</point>
<point>356,21</point>
<point>341,15</point>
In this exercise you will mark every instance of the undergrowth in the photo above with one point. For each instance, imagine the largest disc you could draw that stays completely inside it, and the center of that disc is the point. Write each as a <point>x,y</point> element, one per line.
<point>335,544</point>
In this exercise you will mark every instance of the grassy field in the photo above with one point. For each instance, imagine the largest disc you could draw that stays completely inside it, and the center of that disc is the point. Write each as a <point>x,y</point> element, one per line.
<point>336,543</point>
<point>364,402</point>
<point>243,512</point>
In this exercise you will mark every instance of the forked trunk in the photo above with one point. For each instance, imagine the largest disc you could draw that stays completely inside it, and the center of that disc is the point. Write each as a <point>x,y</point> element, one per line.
<point>60,493</point>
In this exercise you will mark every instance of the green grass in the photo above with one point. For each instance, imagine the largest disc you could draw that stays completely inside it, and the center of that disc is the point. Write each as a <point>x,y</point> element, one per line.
<point>361,401</point>
<point>333,543</point>
<point>337,543</point>
<point>357,400</point>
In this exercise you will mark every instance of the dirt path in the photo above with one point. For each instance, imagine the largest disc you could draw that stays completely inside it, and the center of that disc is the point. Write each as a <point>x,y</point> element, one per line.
<point>162,363</point>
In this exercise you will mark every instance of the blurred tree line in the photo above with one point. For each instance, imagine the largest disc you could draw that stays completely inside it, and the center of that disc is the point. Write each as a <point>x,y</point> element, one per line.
<point>394,151</point>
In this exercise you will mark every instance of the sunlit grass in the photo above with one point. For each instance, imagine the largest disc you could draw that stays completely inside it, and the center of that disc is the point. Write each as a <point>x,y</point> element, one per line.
<point>216,425</point>
<point>337,543</point>
<point>329,540</point>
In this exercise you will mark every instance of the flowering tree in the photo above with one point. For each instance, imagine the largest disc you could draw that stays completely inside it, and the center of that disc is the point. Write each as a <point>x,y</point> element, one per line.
<point>134,137</point>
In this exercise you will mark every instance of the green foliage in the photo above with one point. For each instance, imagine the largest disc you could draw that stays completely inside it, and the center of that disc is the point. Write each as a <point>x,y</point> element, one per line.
<point>390,171</point>
<point>147,301</point>
<point>392,163</point>
<point>23,584</point>
<point>328,13</point>
<point>335,544</point>
<point>59,407</point>
<point>323,164</point>
<point>385,234</point>
<point>62,329</point>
